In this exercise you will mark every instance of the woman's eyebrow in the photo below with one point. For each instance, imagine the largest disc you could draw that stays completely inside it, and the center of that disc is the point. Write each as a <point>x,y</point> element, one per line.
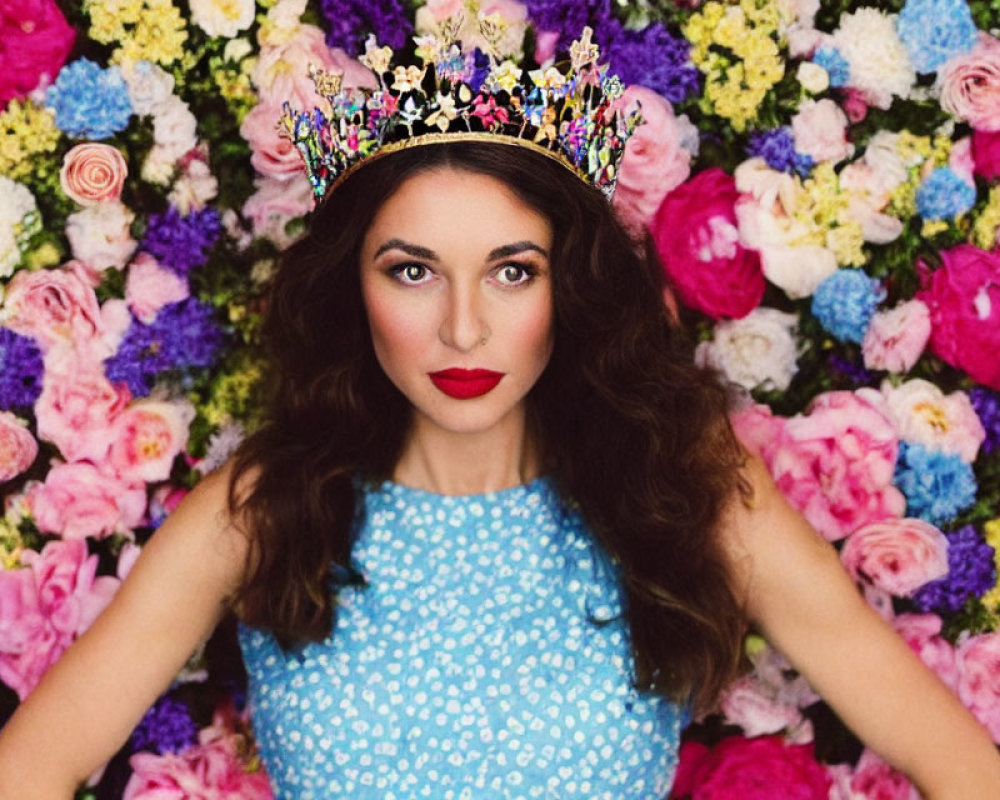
<point>417,251</point>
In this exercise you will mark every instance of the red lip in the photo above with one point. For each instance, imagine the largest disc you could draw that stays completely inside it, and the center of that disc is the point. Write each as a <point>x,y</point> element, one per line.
<point>465,383</point>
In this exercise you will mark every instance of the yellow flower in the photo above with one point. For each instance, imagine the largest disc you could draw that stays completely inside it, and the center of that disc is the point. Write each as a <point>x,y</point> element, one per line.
<point>991,532</point>
<point>912,148</point>
<point>933,227</point>
<point>506,75</point>
<point>26,131</point>
<point>45,255</point>
<point>987,224</point>
<point>150,30</point>
<point>846,242</point>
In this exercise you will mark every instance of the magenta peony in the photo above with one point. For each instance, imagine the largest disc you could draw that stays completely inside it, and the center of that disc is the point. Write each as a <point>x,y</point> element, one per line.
<point>764,768</point>
<point>963,296</point>
<point>986,154</point>
<point>35,41</point>
<point>697,240</point>
<point>896,555</point>
<point>876,780</point>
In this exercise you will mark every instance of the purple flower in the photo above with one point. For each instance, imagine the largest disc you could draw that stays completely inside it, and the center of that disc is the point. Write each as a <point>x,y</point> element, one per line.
<point>166,728</point>
<point>655,59</point>
<point>183,336</point>
<point>987,406</point>
<point>352,20</point>
<point>971,573</point>
<point>181,243</point>
<point>851,370</point>
<point>568,18</point>
<point>777,148</point>
<point>20,370</point>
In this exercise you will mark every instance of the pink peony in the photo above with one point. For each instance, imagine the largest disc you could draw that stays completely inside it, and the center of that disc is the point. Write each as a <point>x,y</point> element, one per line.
<point>18,447</point>
<point>271,155</point>
<point>875,780</point>
<point>896,338</point>
<point>750,769</point>
<point>897,555</point>
<point>696,238</point>
<point>35,41</point>
<point>978,659</point>
<point>147,437</point>
<point>820,131</point>
<point>963,296</point>
<point>93,173</point>
<point>149,287</point>
<point>77,408</point>
<point>275,204</point>
<point>922,632</point>
<point>835,464</point>
<point>758,428</point>
<point>655,160</point>
<point>45,606</point>
<point>986,154</point>
<point>969,84</point>
<point>79,500</point>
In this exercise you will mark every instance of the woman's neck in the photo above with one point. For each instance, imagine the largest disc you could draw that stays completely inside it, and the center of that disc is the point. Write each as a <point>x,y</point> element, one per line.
<point>451,463</point>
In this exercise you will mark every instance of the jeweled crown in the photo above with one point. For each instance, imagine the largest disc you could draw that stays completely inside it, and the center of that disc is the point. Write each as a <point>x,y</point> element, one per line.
<point>567,115</point>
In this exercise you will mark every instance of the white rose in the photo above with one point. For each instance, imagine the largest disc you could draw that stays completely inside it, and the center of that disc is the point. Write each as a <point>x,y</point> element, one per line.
<point>223,17</point>
<point>19,221</point>
<point>757,351</point>
<point>237,49</point>
<point>99,235</point>
<point>923,414</point>
<point>149,86</point>
<point>813,77</point>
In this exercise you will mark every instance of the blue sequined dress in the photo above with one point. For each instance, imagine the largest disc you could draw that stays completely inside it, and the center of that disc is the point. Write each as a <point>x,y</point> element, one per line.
<point>486,658</point>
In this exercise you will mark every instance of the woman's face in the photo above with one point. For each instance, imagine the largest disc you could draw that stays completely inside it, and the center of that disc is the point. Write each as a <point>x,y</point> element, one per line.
<point>456,282</point>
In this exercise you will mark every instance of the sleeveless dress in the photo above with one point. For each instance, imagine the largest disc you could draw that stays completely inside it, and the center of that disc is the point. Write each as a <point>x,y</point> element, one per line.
<point>487,657</point>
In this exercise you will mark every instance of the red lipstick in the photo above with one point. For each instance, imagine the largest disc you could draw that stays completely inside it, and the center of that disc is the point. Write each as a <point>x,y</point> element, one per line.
<point>465,383</point>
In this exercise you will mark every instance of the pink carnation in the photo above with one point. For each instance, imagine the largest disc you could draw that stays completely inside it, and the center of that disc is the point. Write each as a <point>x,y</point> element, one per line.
<point>922,632</point>
<point>146,438</point>
<point>963,296</point>
<point>655,160</point>
<point>149,287</point>
<point>750,769</point>
<point>978,660</point>
<point>897,555</point>
<point>45,606</point>
<point>78,500</point>
<point>18,447</point>
<point>986,154</point>
<point>876,780</point>
<point>969,84</point>
<point>836,463</point>
<point>35,41</point>
<point>93,172</point>
<point>697,240</point>
<point>896,338</point>
<point>77,408</point>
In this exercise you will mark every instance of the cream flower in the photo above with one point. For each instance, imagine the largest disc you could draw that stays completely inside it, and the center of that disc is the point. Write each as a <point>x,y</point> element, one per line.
<point>923,414</point>
<point>880,65</point>
<point>757,351</point>
<point>223,17</point>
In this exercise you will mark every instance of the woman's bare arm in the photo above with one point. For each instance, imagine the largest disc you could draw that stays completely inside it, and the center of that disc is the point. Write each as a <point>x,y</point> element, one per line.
<point>804,602</point>
<point>88,703</point>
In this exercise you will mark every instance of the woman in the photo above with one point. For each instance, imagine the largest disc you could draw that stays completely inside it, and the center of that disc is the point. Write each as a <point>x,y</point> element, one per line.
<point>496,538</point>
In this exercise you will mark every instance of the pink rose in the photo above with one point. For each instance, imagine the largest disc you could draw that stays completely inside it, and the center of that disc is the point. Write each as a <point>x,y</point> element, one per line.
<point>896,338</point>
<point>206,771</point>
<point>275,204</point>
<point>963,296</point>
<point>149,287</point>
<point>835,464</point>
<point>35,41</point>
<point>876,780</point>
<point>54,306</point>
<point>147,437</point>
<point>969,84</point>
<point>18,447</point>
<point>897,555</point>
<point>79,500</point>
<point>45,606</point>
<point>986,154</point>
<point>93,173</point>
<point>77,408</point>
<point>750,769</point>
<point>697,240</point>
<point>820,131</point>
<point>978,659</point>
<point>655,160</point>
<point>271,154</point>
<point>922,632</point>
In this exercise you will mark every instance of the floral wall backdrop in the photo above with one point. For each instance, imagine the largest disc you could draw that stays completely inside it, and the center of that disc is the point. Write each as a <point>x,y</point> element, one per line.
<point>820,179</point>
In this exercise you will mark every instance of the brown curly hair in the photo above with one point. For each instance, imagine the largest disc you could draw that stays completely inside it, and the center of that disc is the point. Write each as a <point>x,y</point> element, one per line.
<point>626,425</point>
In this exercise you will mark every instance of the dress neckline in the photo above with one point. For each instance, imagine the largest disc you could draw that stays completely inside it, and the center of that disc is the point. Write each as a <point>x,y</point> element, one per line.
<point>394,489</point>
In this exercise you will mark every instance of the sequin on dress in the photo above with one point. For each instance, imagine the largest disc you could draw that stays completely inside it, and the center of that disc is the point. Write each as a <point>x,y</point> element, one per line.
<point>486,658</point>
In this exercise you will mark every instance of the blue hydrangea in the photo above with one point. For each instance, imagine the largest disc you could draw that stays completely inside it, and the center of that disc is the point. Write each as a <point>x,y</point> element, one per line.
<point>20,370</point>
<point>971,573</point>
<point>89,102</point>
<point>938,485</point>
<point>932,31</point>
<point>845,302</point>
<point>943,195</point>
<point>777,148</point>
<point>836,66</point>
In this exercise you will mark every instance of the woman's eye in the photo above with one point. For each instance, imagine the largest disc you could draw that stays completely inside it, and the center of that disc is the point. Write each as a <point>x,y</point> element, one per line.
<point>515,274</point>
<point>410,273</point>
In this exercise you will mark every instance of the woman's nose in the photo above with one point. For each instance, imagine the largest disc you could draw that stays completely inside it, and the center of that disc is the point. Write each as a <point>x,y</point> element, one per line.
<point>464,325</point>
